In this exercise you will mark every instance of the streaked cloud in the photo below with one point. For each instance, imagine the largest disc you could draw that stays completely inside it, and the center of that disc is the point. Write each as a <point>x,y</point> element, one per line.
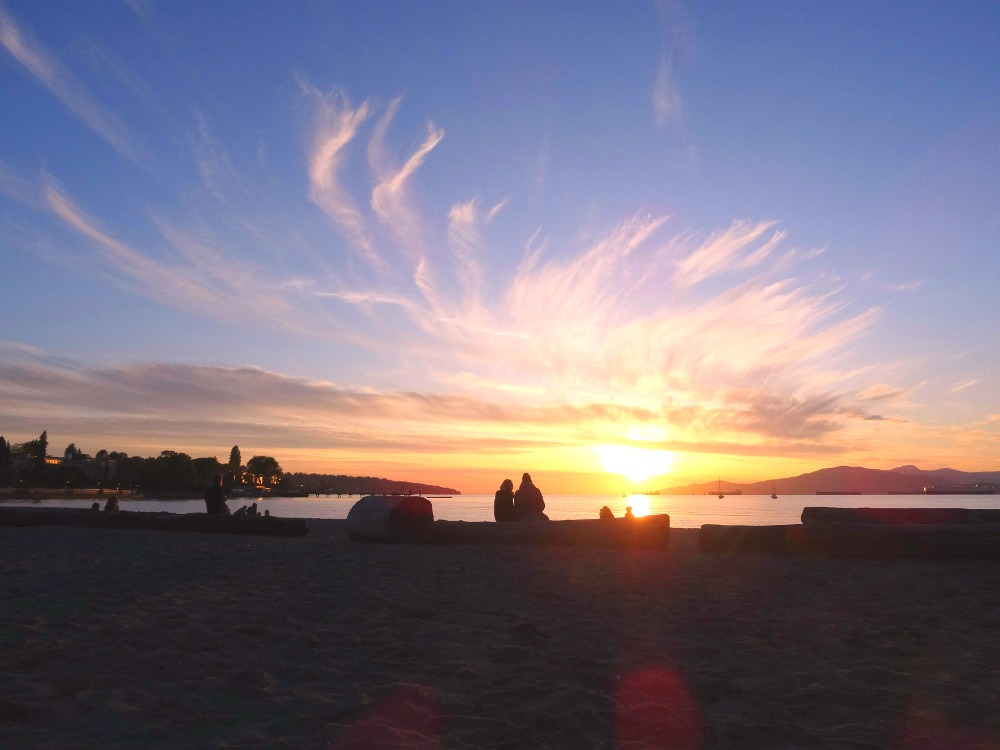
<point>465,223</point>
<point>389,200</point>
<point>336,125</point>
<point>201,276</point>
<point>730,250</point>
<point>666,93</point>
<point>60,81</point>
<point>963,386</point>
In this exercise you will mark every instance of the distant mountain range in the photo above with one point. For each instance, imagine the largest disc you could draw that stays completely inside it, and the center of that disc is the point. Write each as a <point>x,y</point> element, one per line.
<point>903,479</point>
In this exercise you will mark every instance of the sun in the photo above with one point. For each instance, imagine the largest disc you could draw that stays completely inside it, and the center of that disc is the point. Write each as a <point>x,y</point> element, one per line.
<point>635,464</point>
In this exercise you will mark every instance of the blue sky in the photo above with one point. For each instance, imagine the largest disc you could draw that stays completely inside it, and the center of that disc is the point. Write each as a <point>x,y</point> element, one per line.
<point>456,241</point>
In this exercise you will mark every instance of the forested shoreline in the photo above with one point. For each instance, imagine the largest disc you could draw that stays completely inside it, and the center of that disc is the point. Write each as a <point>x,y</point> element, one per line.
<point>28,465</point>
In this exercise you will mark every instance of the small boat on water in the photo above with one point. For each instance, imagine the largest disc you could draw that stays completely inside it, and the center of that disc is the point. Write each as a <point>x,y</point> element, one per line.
<point>720,489</point>
<point>774,495</point>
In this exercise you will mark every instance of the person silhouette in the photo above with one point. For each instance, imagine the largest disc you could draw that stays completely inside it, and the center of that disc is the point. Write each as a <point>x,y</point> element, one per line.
<point>503,502</point>
<point>215,498</point>
<point>528,501</point>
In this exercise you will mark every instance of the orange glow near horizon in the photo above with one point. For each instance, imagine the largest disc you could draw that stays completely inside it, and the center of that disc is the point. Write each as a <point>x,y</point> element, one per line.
<point>635,464</point>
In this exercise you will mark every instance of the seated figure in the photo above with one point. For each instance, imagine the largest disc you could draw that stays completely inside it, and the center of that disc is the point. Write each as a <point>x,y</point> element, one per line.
<point>528,501</point>
<point>503,502</point>
<point>215,498</point>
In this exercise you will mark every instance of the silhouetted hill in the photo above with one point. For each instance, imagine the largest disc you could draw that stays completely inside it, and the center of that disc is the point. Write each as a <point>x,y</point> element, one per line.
<point>904,479</point>
<point>341,484</point>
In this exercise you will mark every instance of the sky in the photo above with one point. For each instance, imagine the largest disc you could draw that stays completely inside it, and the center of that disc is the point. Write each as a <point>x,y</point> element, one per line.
<point>616,245</point>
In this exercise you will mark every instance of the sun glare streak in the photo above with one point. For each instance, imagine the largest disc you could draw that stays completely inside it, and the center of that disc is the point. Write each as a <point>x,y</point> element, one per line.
<point>639,504</point>
<point>635,464</point>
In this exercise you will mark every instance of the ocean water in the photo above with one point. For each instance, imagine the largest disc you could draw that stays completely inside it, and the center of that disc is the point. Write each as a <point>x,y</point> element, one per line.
<point>686,511</point>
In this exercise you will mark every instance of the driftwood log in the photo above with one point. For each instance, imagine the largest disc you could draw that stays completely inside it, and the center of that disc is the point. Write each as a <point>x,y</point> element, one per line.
<point>949,516</point>
<point>124,519</point>
<point>641,532</point>
<point>921,540</point>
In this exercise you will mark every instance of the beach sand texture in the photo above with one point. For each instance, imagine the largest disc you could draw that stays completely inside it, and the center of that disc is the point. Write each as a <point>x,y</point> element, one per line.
<point>132,638</point>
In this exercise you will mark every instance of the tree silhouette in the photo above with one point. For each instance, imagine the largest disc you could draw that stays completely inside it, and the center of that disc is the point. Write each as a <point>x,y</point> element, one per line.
<point>41,453</point>
<point>43,448</point>
<point>265,469</point>
<point>235,461</point>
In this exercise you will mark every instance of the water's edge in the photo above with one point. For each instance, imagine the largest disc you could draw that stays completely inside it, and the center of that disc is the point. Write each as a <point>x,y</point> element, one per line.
<point>686,511</point>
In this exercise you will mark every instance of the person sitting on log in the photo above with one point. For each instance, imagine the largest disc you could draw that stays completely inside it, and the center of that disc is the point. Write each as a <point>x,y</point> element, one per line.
<point>628,512</point>
<point>606,513</point>
<point>215,498</point>
<point>112,504</point>
<point>503,502</point>
<point>528,501</point>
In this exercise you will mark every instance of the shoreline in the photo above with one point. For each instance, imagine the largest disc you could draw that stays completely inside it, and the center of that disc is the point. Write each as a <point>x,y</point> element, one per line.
<point>121,639</point>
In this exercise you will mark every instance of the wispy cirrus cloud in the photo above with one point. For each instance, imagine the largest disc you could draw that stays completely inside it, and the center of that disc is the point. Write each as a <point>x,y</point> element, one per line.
<point>666,93</point>
<point>60,81</point>
<point>725,340</point>
<point>619,312</point>
<point>465,223</point>
<point>336,125</point>
<point>962,386</point>
<point>163,280</point>
<point>202,275</point>
<point>728,251</point>
<point>389,199</point>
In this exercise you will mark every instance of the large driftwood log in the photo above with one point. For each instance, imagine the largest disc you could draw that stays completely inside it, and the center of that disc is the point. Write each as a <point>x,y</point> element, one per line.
<point>812,516</point>
<point>925,540</point>
<point>641,532</point>
<point>123,519</point>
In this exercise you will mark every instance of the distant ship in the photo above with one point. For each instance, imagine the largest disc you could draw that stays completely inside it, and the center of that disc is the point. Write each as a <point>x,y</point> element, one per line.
<point>961,490</point>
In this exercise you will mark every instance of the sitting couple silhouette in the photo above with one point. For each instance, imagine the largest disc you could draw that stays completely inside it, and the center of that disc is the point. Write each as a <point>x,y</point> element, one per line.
<point>526,504</point>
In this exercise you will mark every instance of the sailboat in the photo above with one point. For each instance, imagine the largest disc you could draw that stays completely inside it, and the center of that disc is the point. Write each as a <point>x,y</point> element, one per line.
<point>720,489</point>
<point>774,495</point>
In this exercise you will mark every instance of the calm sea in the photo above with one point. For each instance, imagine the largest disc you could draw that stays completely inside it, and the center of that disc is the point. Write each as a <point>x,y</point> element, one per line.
<point>686,511</point>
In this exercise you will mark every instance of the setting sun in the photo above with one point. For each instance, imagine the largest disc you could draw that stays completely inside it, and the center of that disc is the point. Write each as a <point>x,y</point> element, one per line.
<point>635,464</point>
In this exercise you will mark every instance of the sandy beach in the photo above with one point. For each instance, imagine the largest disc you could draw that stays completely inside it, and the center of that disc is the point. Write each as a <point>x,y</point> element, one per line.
<point>130,638</point>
